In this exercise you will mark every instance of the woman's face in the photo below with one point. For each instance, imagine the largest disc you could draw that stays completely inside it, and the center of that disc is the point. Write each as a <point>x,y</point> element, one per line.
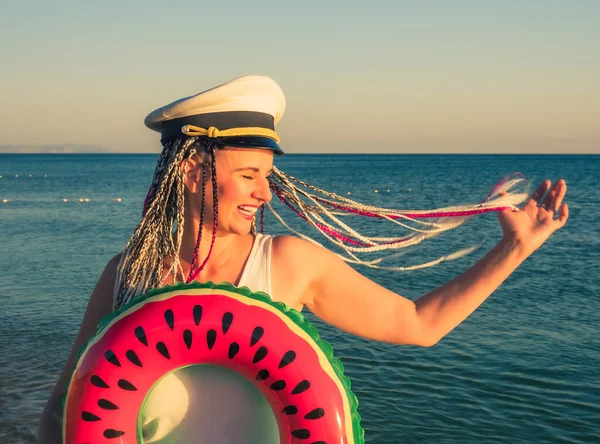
<point>243,186</point>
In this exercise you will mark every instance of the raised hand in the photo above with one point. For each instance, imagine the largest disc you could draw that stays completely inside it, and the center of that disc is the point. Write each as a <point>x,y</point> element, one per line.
<point>542,215</point>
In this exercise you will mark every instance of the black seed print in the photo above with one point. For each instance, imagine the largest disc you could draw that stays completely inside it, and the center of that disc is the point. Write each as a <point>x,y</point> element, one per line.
<point>112,358</point>
<point>262,375</point>
<point>315,414</point>
<point>259,355</point>
<point>90,417</point>
<point>111,433</point>
<point>126,385</point>
<point>278,385</point>
<point>140,334</point>
<point>301,387</point>
<point>234,348</point>
<point>226,321</point>
<point>170,318</point>
<point>287,358</point>
<point>133,358</point>
<point>98,382</point>
<point>187,338</point>
<point>162,349</point>
<point>211,337</point>
<point>290,410</point>
<point>318,442</point>
<point>197,313</point>
<point>106,404</point>
<point>256,335</point>
<point>301,434</point>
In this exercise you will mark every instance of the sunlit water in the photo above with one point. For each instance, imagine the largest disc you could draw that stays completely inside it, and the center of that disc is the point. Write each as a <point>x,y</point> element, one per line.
<point>524,368</point>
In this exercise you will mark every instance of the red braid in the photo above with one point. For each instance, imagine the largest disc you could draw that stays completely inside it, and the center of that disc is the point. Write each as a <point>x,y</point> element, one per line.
<point>194,271</point>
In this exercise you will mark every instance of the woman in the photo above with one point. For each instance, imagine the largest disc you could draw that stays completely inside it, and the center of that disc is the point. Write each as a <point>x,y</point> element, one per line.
<point>211,179</point>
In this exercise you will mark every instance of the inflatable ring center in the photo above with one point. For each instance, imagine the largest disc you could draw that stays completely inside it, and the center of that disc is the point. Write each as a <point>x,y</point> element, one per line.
<point>270,347</point>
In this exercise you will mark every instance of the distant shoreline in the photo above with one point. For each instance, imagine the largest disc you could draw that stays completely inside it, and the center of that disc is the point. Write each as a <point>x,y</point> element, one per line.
<point>76,149</point>
<point>55,149</point>
<point>115,153</point>
<point>73,153</point>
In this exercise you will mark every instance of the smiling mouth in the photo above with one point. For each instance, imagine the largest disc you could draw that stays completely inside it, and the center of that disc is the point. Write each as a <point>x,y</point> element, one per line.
<point>247,212</point>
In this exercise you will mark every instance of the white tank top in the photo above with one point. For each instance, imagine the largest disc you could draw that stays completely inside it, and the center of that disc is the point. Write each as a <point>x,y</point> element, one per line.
<point>257,272</point>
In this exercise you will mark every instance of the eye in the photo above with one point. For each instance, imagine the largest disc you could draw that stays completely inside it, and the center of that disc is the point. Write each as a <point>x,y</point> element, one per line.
<point>248,177</point>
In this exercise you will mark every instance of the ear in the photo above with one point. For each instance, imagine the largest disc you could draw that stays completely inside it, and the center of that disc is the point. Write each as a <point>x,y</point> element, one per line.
<point>191,169</point>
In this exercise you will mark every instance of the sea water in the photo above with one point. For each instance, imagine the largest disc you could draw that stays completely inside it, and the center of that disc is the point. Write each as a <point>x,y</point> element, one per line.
<point>525,367</point>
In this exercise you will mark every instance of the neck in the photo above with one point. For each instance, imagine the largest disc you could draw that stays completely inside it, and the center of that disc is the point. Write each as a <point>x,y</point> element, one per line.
<point>224,244</point>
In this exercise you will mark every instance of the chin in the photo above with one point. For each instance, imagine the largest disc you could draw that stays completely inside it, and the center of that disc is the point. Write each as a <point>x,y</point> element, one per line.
<point>241,231</point>
<point>240,228</point>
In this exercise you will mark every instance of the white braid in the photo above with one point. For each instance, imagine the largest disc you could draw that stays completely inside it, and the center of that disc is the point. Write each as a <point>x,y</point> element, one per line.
<point>313,208</point>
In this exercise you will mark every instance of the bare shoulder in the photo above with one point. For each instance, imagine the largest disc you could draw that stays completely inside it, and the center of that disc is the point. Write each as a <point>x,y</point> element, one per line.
<point>106,283</point>
<point>101,300</point>
<point>100,303</point>
<point>290,244</point>
<point>297,268</point>
<point>112,265</point>
<point>114,261</point>
<point>300,253</point>
<point>110,270</point>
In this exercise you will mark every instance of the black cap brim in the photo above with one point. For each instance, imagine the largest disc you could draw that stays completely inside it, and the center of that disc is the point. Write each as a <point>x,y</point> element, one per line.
<point>265,143</point>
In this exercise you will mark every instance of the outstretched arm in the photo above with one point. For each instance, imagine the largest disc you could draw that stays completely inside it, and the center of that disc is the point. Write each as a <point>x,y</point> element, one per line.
<point>344,298</point>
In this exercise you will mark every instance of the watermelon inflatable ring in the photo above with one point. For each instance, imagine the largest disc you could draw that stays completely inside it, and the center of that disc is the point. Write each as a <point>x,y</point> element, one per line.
<point>271,347</point>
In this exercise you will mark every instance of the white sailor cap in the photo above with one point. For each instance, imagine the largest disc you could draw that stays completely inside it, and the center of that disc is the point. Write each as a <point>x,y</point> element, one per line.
<point>240,113</point>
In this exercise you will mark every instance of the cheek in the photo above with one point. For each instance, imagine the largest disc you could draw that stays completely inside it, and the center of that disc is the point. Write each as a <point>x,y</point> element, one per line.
<point>232,193</point>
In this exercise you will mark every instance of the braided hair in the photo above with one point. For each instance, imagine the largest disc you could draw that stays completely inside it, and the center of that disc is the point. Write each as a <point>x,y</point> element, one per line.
<point>157,239</point>
<point>153,242</point>
<point>324,211</point>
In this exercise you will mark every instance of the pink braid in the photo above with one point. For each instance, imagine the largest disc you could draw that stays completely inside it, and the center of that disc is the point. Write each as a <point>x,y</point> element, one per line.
<point>195,273</point>
<point>262,219</point>
<point>194,264</point>
<point>432,214</point>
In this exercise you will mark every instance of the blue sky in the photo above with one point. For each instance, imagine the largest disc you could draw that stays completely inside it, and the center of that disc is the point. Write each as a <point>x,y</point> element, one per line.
<point>380,76</point>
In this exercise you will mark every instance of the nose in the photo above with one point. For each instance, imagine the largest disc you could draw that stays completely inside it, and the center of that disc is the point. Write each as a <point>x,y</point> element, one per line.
<point>262,191</point>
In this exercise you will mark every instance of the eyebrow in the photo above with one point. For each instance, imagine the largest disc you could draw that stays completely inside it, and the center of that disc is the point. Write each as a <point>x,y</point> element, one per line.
<point>249,168</point>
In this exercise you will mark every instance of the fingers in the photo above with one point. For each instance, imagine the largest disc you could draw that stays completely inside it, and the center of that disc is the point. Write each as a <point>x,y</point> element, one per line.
<point>554,198</point>
<point>536,197</point>
<point>563,215</point>
<point>547,200</point>
<point>561,190</point>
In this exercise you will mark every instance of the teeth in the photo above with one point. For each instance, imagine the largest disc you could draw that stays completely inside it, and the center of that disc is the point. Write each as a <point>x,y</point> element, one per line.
<point>250,210</point>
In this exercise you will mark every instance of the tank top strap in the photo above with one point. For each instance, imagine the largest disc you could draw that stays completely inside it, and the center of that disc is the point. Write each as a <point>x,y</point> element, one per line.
<point>257,272</point>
